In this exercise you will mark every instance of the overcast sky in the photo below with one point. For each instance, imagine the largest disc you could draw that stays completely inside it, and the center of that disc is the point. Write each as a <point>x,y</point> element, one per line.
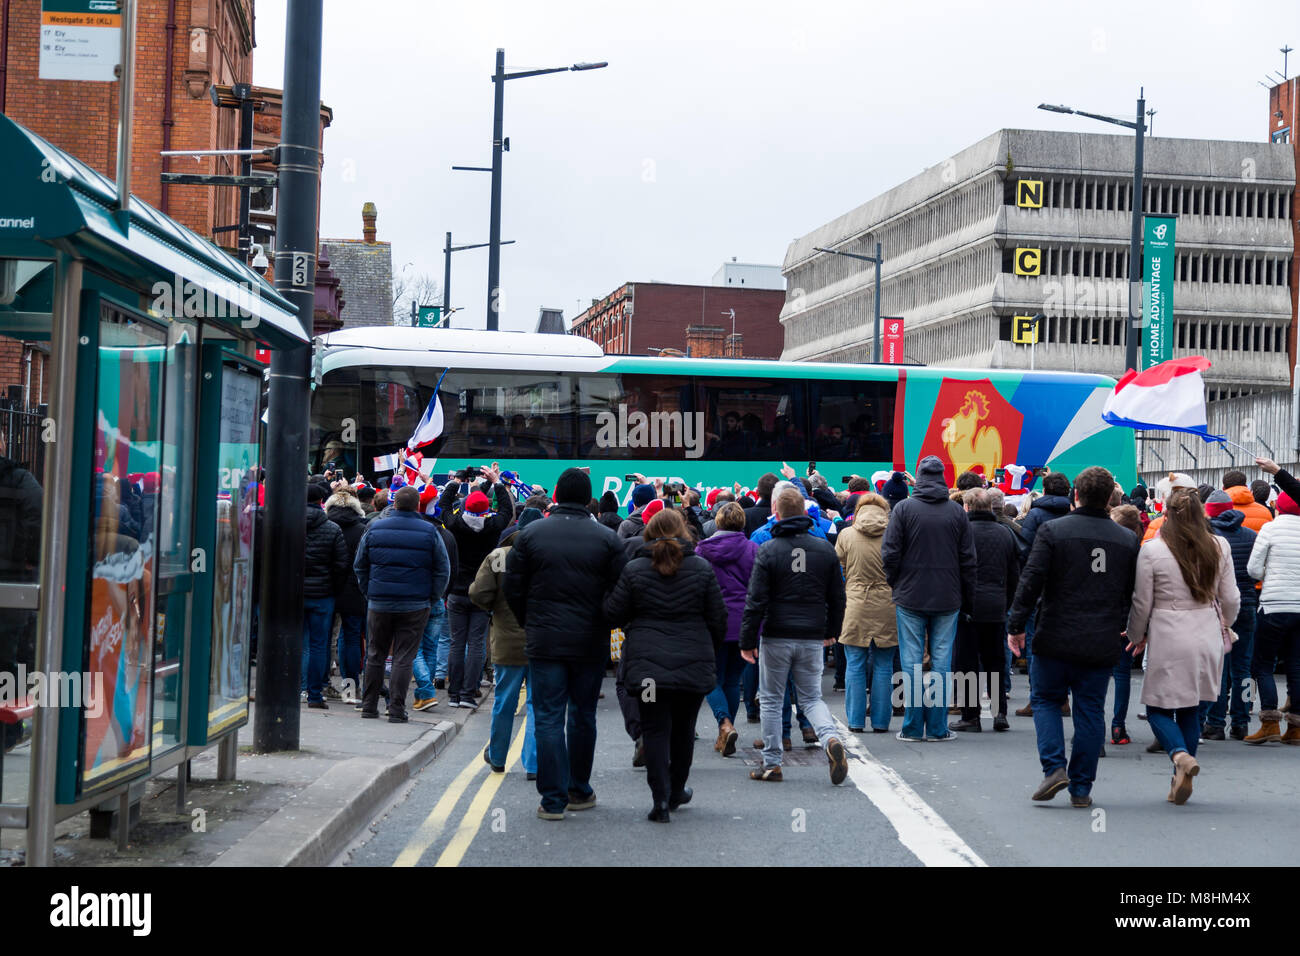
<point>722,129</point>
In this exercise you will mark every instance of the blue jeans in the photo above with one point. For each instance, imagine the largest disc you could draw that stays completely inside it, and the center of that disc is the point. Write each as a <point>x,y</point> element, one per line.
<point>884,664</point>
<point>724,699</point>
<point>1123,674</point>
<point>749,688</point>
<point>426,659</point>
<point>564,713</point>
<point>444,645</point>
<point>918,719</point>
<point>855,685</point>
<point>1236,676</point>
<point>1052,682</point>
<point>509,678</point>
<point>1177,730</point>
<point>317,620</point>
<point>352,630</point>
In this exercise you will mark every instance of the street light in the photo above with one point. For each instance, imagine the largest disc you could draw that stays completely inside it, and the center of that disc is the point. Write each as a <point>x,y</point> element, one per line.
<point>875,346</point>
<point>494,228</point>
<point>447,250</point>
<point>1135,238</point>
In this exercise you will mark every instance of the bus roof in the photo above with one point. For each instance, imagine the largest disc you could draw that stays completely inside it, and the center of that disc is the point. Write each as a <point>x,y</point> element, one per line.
<point>397,346</point>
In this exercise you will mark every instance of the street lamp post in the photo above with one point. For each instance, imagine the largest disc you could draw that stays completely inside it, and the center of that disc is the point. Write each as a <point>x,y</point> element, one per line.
<point>875,346</point>
<point>1135,238</point>
<point>447,250</point>
<point>498,144</point>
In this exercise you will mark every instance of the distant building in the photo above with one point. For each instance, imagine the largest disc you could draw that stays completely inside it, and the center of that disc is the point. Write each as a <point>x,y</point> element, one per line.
<point>952,235</point>
<point>749,275</point>
<point>364,268</point>
<point>644,317</point>
<point>551,321</point>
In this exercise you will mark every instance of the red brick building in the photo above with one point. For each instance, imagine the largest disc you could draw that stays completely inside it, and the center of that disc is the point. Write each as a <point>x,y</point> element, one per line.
<point>638,317</point>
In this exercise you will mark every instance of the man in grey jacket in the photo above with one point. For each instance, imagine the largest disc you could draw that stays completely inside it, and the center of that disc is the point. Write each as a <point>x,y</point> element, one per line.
<point>929,558</point>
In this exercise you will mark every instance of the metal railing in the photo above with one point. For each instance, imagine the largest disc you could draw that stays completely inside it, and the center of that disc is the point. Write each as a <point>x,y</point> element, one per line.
<point>22,427</point>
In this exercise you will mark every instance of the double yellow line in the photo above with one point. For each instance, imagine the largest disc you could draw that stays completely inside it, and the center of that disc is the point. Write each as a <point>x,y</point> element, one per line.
<point>468,828</point>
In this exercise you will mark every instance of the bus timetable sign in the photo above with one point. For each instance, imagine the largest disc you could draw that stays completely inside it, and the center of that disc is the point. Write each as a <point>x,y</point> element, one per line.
<point>80,39</point>
<point>1157,289</point>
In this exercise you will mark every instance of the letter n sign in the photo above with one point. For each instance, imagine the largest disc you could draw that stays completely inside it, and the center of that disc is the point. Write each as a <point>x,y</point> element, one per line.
<point>1029,193</point>
<point>1029,262</point>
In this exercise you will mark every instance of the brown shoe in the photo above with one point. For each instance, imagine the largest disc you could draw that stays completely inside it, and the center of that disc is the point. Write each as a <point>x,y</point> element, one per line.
<point>1026,711</point>
<point>758,743</point>
<point>809,737</point>
<point>1173,785</point>
<point>786,744</point>
<point>727,735</point>
<point>1065,709</point>
<point>1052,784</point>
<point>1292,735</point>
<point>1185,768</point>
<point>1270,730</point>
<point>769,774</point>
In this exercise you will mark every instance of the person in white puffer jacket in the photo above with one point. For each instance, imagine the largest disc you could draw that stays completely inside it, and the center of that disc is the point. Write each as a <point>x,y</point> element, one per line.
<point>1275,559</point>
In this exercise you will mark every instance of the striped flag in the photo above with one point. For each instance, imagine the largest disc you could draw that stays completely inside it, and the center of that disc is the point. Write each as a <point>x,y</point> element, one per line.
<point>1169,396</point>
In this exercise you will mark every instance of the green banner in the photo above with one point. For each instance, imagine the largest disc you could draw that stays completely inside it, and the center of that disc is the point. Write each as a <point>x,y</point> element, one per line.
<point>1157,289</point>
<point>429,316</point>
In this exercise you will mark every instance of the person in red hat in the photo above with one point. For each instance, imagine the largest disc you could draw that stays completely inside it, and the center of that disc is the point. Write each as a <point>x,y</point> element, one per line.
<point>477,529</point>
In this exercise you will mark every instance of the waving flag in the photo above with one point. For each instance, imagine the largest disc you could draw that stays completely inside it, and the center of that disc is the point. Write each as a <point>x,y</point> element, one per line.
<point>430,426</point>
<point>1169,396</point>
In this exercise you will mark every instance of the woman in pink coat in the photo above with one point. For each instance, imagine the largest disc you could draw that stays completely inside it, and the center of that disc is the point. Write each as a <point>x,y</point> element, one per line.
<point>1180,575</point>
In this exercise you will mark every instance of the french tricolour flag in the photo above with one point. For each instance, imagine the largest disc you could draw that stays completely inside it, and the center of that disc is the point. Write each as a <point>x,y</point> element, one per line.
<point>1170,396</point>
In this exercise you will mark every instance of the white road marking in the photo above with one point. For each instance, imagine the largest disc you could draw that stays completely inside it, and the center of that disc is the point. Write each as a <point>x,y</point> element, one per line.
<point>919,827</point>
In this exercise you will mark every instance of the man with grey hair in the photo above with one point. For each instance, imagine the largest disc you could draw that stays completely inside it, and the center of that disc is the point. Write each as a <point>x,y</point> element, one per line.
<point>981,654</point>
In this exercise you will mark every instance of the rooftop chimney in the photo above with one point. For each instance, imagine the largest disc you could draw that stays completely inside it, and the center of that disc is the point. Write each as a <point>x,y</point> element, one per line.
<point>368,213</point>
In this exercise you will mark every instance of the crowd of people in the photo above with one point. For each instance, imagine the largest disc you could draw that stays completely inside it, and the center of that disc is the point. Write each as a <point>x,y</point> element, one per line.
<point>923,598</point>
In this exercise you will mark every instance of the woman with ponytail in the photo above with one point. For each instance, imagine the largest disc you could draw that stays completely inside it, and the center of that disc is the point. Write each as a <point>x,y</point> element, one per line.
<point>669,604</point>
<point>1185,589</point>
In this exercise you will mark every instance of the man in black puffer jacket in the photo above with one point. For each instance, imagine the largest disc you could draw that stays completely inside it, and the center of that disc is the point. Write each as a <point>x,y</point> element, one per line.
<point>981,642</point>
<point>345,509</point>
<point>796,594</point>
<point>1225,521</point>
<point>1083,568</point>
<point>929,559</point>
<point>324,570</point>
<point>557,576</point>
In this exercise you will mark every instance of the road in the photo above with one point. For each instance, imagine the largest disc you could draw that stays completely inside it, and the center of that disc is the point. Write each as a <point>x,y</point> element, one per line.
<point>964,803</point>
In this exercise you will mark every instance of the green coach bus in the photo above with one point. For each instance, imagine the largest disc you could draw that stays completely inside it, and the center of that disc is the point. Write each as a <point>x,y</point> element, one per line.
<point>538,404</point>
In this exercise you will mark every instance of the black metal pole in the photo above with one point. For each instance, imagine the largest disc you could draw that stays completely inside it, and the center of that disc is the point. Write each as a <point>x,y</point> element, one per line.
<point>1135,246</point>
<point>876,350</point>
<point>494,227</point>
<point>279,658</point>
<point>245,169</point>
<point>446,284</point>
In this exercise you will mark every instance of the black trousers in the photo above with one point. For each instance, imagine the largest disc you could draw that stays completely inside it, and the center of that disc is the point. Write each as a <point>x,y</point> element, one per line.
<point>629,704</point>
<point>397,633</point>
<point>981,649</point>
<point>668,730</point>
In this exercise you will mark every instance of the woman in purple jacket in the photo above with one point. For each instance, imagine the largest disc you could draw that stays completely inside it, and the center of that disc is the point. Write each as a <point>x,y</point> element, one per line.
<point>732,555</point>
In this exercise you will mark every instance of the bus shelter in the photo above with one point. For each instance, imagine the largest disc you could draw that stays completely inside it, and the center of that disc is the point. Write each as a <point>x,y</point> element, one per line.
<point>127,511</point>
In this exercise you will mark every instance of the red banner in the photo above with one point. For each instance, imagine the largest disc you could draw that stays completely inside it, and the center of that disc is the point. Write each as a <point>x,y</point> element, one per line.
<point>891,342</point>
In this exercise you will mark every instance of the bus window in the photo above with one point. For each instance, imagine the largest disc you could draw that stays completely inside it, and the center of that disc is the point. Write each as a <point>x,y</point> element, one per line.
<point>500,415</point>
<point>333,406</point>
<point>752,419</point>
<point>639,417</point>
<point>852,421</point>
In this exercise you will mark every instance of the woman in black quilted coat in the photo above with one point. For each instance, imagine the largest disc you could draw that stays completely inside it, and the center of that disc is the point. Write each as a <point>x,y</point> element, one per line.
<point>670,608</point>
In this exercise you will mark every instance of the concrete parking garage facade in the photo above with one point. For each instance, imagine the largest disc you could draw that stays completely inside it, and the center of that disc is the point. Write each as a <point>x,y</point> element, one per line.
<point>950,238</point>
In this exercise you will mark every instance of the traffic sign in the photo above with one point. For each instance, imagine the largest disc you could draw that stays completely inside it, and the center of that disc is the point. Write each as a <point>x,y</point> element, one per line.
<point>1029,193</point>
<point>1024,329</point>
<point>80,40</point>
<point>1029,262</point>
<point>428,316</point>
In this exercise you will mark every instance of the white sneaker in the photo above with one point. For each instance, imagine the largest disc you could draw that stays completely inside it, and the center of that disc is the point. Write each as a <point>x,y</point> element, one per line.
<point>302,698</point>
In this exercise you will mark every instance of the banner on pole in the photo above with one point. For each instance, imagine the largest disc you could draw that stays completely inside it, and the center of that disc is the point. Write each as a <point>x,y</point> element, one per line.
<point>892,340</point>
<point>1157,289</point>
